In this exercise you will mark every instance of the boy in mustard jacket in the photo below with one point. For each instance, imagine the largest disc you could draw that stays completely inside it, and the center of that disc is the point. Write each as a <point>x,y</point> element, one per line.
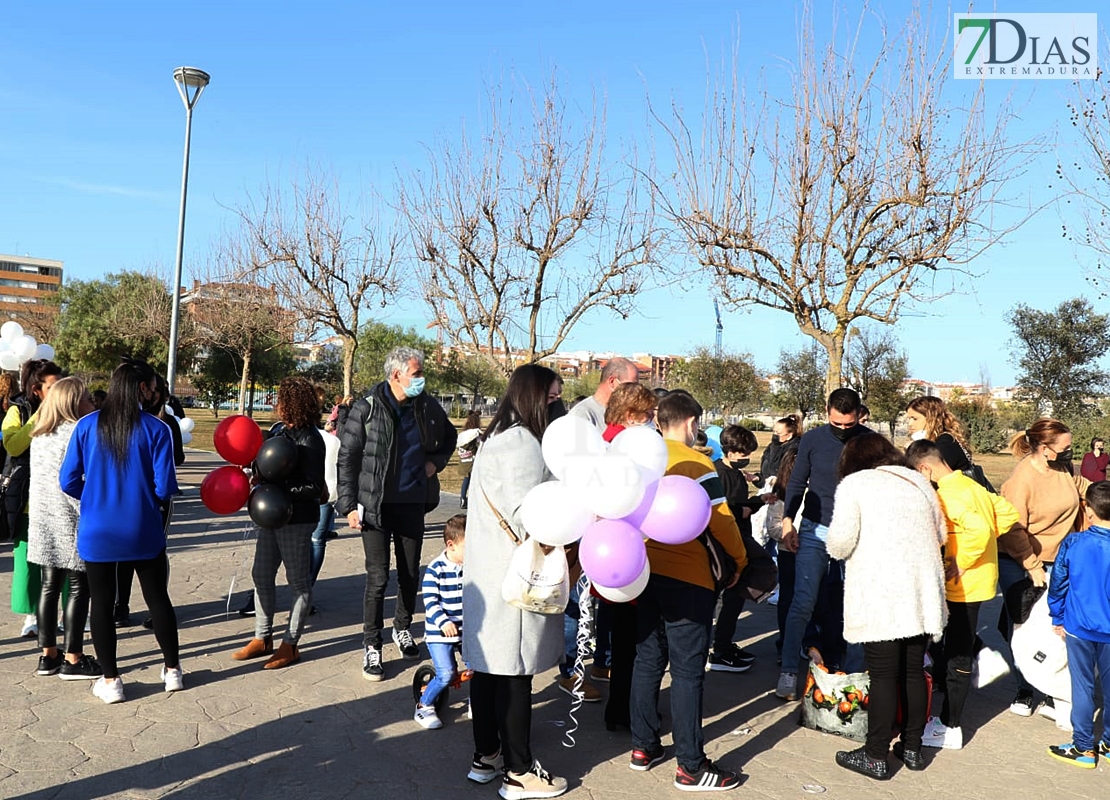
<point>976,518</point>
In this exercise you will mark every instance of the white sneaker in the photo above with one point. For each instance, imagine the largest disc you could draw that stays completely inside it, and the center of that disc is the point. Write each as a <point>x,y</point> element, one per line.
<point>109,690</point>
<point>989,666</point>
<point>172,679</point>
<point>787,687</point>
<point>30,627</point>
<point>427,717</point>
<point>937,734</point>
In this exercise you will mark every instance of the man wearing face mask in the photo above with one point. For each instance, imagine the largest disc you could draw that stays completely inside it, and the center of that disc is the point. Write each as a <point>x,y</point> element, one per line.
<point>813,481</point>
<point>393,444</point>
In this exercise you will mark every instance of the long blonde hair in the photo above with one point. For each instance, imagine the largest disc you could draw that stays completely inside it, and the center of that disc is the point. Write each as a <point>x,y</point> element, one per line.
<point>938,419</point>
<point>62,404</point>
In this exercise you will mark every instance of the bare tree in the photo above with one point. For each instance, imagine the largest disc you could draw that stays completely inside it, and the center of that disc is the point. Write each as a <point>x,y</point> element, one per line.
<point>1088,174</point>
<point>856,192</point>
<point>526,232</point>
<point>324,264</point>
<point>244,320</point>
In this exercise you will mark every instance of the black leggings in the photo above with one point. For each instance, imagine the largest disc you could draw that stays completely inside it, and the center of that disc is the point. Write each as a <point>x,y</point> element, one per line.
<point>897,672</point>
<point>153,578</point>
<point>502,709</point>
<point>76,610</point>
<point>959,653</point>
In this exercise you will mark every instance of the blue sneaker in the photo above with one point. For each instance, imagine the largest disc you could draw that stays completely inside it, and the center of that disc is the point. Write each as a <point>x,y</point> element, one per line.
<point>1085,759</point>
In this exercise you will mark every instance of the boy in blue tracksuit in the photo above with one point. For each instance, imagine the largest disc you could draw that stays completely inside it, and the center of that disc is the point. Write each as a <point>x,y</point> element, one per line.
<point>1079,602</point>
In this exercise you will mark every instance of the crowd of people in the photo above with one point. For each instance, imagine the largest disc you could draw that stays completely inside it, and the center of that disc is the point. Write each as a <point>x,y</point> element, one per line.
<point>853,523</point>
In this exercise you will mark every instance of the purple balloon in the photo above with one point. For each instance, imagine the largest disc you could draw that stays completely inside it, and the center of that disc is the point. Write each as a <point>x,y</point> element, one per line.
<point>612,553</point>
<point>679,512</point>
<point>636,517</point>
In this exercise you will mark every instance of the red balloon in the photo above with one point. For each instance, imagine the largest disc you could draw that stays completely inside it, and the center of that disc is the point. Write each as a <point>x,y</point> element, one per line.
<point>225,490</point>
<point>237,439</point>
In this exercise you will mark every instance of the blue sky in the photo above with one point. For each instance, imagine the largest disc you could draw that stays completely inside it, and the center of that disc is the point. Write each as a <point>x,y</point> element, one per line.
<point>92,130</point>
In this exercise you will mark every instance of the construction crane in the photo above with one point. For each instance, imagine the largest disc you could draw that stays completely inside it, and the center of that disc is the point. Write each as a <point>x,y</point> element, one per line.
<point>720,328</point>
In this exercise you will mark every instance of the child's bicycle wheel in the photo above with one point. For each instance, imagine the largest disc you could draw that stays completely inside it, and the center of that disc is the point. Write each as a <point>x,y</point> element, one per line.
<point>420,680</point>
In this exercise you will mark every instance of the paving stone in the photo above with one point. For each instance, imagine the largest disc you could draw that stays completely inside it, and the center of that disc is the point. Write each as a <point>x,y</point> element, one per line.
<point>22,753</point>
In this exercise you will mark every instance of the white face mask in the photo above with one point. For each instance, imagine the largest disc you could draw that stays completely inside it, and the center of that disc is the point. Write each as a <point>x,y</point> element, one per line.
<point>917,436</point>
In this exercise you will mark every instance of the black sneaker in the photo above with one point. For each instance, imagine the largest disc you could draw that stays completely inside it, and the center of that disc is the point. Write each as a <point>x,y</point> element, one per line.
<point>707,778</point>
<point>86,669</point>
<point>727,662</point>
<point>372,664</point>
<point>742,654</point>
<point>248,607</point>
<point>404,642</point>
<point>1024,704</point>
<point>48,665</point>
<point>859,761</point>
<point>148,623</point>
<point>1104,749</point>
<point>643,760</point>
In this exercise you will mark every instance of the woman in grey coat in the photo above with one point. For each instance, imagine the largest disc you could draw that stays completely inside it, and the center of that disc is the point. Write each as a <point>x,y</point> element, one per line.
<point>502,644</point>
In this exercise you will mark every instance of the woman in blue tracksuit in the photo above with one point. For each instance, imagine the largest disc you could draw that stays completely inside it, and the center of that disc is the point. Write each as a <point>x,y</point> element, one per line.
<point>120,465</point>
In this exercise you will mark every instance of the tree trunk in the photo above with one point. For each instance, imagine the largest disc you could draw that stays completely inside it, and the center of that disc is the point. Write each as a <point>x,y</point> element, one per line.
<point>834,346</point>
<point>350,346</point>
<point>244,381</point>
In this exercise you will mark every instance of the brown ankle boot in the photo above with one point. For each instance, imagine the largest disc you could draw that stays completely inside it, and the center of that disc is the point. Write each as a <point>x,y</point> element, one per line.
<point>254,649</point>
<point>286,654</point>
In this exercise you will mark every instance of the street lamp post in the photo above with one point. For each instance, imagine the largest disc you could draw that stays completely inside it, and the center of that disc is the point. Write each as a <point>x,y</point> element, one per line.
<point>190,83</point>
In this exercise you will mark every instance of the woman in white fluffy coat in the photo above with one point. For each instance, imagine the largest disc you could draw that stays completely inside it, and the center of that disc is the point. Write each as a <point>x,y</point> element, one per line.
<point>888,527</point>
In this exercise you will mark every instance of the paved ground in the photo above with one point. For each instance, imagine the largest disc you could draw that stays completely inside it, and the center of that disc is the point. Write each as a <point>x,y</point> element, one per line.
<point>318,730</point>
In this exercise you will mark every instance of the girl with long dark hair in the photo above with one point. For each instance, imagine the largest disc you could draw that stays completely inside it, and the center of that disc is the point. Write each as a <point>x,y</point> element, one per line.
<point>119,464</point>
<point>36,378</point>
<point>504,645</point>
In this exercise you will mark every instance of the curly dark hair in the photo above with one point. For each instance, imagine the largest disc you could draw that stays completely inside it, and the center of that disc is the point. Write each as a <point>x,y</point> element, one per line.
<point>298,404</point>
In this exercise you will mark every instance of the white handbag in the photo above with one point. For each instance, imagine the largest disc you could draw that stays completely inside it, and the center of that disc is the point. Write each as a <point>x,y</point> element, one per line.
<point>538,579</point>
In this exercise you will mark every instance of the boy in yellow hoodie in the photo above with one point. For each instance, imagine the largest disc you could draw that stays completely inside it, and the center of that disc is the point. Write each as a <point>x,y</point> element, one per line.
<point>976,518</point>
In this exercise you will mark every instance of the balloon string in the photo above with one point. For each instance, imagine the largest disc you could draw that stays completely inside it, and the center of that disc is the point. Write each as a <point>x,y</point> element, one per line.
<point>248,533</point>
<point>582,639</point>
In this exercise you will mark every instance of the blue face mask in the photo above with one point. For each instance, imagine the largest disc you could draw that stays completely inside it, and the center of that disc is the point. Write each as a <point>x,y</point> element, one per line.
<point>415,387</point>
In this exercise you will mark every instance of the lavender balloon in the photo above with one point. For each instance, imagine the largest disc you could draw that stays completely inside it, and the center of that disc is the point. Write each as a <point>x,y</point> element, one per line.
<point>637,517</point>
<point>612,553</point>
<point>679,512</point>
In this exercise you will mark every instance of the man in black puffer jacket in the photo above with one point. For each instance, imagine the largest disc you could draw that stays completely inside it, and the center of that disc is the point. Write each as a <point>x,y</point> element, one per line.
<point>392,445</point>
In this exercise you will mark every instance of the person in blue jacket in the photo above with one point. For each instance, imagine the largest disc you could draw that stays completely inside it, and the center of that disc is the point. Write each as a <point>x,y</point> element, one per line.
<point>120,465</point>
<point>1079,602</point>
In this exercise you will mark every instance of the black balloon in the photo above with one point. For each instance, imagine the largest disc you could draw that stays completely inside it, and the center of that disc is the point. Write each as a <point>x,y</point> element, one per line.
<point>276,458</point>
<point>270,506</point>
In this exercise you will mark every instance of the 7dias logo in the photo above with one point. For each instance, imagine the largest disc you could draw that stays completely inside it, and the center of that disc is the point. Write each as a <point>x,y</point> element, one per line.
<point>1029,46</point>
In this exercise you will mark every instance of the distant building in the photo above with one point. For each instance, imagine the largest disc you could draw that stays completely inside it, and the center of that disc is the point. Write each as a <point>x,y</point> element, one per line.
<point>26,285</point>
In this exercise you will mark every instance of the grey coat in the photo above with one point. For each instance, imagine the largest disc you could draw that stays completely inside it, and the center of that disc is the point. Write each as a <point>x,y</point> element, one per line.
<point>52,515</point>
<point>498,638</point>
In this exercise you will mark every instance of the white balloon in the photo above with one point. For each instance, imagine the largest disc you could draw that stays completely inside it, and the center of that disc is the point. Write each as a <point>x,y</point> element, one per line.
<point>25,347</point>
<point>624,594</point>
<point>186,437</point>
<point>611,485</point>
<point>10,331</point>
<point>645,447</point>
<point>567,438</point>
<point>9,360</point>
<point>45,351</point>
<point>186,424</point>
<point>554,514</point>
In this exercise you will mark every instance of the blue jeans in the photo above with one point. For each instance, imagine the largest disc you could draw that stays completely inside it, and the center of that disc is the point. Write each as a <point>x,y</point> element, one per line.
<point>811,562</point>
<point>443,659</point>
<point>1083,658</point>
<point>320,540</point>
<point>570,632</point>
<point>673,622</point>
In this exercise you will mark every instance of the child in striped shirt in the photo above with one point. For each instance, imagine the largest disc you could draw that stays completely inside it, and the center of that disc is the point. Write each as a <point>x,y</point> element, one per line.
<point>442,591</point>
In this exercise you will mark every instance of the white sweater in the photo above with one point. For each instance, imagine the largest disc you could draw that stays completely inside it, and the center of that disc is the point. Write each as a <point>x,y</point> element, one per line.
<point>888,527</point>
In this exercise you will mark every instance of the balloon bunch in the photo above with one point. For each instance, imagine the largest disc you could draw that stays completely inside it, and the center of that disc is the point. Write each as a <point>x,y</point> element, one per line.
<point>17,347</point>
<point>226,489</point>
<point>612,498</point>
